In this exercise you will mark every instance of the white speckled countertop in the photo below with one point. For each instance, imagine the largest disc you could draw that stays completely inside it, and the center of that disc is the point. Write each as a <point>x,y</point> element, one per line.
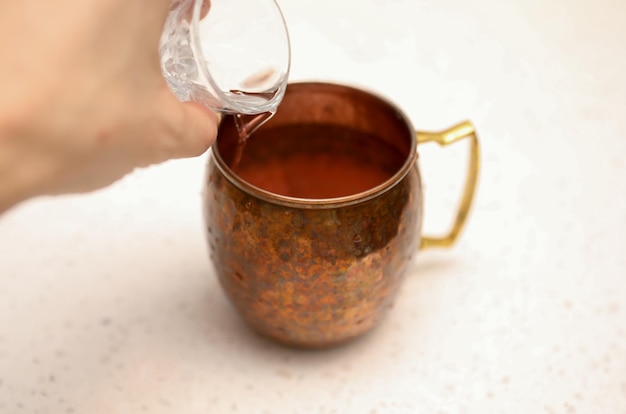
<point>108,303</point>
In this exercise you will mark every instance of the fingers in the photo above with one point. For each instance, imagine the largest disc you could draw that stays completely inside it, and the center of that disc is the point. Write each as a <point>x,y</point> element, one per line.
<point>199,130</point>
<point>206,5</point>
<point>183,130</point>
<point>204,9</point>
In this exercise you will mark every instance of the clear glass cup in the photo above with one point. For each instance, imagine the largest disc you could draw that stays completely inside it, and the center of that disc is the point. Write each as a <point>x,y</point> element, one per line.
<point>233,56</point>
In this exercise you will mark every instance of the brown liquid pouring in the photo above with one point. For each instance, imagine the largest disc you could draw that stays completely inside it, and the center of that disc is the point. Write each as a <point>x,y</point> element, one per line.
<point>246,125</point>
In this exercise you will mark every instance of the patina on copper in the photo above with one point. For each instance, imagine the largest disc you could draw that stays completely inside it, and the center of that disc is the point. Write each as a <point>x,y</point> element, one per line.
<point>315,273</point>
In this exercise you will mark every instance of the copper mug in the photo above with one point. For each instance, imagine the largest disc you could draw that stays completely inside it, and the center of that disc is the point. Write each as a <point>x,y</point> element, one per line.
<point>316,272</point>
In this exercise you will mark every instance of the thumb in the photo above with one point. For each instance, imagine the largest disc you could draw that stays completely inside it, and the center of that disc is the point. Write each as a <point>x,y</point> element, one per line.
<point>189,128</point>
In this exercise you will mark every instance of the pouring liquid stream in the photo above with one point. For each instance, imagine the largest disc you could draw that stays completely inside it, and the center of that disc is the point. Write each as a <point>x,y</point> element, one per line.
<point>247,124</point>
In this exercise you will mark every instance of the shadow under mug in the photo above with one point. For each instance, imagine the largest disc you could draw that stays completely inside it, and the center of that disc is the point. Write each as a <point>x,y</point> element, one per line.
<point>313,272</point>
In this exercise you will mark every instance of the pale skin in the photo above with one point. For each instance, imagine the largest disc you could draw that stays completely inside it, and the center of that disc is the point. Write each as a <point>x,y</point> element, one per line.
<point>82,98</point>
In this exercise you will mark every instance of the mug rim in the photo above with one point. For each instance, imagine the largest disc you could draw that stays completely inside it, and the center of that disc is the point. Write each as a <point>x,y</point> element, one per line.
<point>333,202</point>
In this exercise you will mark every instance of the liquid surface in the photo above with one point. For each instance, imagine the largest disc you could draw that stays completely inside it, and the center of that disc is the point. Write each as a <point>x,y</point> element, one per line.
<point>316,161</point>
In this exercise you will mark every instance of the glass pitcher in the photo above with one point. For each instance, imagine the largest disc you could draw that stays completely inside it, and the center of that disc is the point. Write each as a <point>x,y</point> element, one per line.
<point>232,56</point>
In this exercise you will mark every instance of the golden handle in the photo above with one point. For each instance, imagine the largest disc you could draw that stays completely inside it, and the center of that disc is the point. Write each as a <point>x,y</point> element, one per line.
<point>454,134</point>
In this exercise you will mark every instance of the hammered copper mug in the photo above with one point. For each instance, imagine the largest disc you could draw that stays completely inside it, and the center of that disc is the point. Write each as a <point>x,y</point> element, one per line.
<point>312,272</point>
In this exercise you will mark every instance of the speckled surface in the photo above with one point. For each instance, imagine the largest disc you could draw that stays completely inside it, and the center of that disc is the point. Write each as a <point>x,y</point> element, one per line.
<point>108,303</point>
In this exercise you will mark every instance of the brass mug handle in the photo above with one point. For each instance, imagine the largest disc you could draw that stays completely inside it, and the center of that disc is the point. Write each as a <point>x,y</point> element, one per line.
<point>456,133</point>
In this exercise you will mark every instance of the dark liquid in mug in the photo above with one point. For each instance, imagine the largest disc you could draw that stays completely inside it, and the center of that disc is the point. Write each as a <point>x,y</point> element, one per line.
<point>316,161</point>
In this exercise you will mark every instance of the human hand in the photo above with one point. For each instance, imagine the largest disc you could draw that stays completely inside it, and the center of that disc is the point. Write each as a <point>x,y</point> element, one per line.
<point>83,101</point>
